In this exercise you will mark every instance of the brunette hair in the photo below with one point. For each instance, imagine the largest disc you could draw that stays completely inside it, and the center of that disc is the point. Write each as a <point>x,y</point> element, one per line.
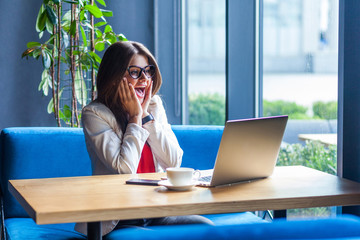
<point>112,69</point>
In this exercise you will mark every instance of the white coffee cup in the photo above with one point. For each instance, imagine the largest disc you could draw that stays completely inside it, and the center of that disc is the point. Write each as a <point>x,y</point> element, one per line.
<point>181,176</point>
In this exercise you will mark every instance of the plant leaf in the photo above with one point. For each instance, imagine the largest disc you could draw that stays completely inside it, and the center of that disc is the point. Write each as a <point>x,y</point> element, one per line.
<point>67,112</point>
<point>102,2</point>
<point>28,52</point>
<point>49,26</point>
<point>122,37</point>
<point>88,25</point>
<point>50,106</point>
<point>107,13</point>
<point>38,18</point>
<point>83,35</point>
<point>100,46</point>
<point>77,52</point>
<point>107,29</point>
<point>44,84</point>
<point>112,38</point>
<point>98,33</point>
<point>46,59</point>
<point>73,28</point>
<point>80,88</point>
<point>71,2</point>
<point>51,15</point>
<point>82,15</point>
<point>95,57</point>
<point>36,53</point>
<point>66,21</point>
<point>33,44</point>
<point>40,25</point>
<point>50,40</point>
<point>94,10</point>
<point>65,38</point>
<point>67,17</point>
<point>99,24</point>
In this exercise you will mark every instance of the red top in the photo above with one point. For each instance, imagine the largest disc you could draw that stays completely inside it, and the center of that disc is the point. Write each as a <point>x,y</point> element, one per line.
<point>146,164</point>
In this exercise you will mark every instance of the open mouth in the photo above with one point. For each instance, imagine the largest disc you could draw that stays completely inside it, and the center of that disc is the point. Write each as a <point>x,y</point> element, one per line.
<point>140,92</point>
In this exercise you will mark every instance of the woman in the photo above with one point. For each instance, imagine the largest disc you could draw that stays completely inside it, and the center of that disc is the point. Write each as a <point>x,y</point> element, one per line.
<point>126,128</point>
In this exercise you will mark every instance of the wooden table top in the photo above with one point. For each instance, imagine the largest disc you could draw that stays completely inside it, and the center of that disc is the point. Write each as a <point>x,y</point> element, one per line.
<point>99,198</point>
<point>326,138</point>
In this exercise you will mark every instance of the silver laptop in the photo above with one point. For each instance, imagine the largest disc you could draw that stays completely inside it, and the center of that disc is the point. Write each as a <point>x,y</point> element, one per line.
<point>248,150</point>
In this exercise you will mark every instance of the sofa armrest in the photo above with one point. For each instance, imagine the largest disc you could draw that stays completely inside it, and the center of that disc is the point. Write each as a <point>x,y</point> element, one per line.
<point>2,231</point>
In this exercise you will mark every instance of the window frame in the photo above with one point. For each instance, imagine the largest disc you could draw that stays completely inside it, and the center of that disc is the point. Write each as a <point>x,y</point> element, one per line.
<point>244,96</point>
<point>168,52</point>
<point>243,52</point>
<point>348,149</point>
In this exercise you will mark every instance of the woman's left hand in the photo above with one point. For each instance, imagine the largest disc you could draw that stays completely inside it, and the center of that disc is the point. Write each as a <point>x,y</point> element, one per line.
<point>146,102</point>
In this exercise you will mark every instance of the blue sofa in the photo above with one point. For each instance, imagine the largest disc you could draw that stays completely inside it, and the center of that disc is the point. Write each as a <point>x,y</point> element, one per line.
<point>40,152</point>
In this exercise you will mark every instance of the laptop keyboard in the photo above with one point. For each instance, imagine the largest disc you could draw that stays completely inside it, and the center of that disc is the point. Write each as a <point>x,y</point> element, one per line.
<point>205,178</point>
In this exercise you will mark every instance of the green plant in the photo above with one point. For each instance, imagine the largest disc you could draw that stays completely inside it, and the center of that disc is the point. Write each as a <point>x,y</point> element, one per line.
<point>325,110</point>
<point>279,107</point>
<point>314,154</point>
<point>69,53</point>
<point>207,109</point>
<point>309,212</point>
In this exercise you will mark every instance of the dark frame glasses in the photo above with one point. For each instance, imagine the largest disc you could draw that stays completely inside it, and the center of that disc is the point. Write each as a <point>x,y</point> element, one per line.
<point>135,71</point>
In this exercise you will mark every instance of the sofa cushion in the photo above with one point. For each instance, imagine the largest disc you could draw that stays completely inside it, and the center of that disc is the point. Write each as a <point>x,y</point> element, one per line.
<point>26,228</point>
<point>40,152</point>
<point>344,228</point>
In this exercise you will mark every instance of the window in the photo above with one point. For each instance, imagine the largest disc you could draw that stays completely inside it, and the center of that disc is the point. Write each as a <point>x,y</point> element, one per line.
<point>300,79</point>
<point>298,63</point>
<point>205,61</point>
<point>240,23</point>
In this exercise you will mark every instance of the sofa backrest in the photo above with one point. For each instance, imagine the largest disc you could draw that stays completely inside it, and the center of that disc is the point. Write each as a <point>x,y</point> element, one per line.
<point>200,144</point>
<point>40,152</point>
<point>46,152</point>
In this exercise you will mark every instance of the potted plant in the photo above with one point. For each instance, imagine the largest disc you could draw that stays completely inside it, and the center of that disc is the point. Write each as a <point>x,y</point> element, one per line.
<point>69,54</point>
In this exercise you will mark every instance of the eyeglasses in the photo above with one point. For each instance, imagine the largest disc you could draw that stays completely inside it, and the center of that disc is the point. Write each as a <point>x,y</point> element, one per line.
<point>135,71</point>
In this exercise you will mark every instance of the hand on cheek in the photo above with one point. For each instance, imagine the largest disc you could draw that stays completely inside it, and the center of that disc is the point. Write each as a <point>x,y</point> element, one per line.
<point>130,102</point>
<point>146,102</point>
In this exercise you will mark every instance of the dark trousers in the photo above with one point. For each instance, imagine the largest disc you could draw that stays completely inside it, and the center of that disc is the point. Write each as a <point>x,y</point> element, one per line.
<point>173,220</point>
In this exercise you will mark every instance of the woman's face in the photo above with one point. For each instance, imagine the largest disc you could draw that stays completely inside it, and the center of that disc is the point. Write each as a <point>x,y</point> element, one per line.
<point>143,81</point>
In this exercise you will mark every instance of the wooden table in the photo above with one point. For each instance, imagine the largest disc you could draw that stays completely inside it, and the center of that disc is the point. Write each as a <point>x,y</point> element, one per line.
<point>326,138</point>
<point>97,198</point>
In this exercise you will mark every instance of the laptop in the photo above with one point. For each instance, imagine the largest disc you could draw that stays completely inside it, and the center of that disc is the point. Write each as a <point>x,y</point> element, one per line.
<point>248,150</point>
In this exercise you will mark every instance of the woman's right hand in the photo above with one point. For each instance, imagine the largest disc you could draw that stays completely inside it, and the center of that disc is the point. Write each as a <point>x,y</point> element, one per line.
<point>130,102</point>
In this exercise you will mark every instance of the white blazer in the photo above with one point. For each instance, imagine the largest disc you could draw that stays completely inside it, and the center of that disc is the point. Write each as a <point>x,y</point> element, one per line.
<point>113,152</point>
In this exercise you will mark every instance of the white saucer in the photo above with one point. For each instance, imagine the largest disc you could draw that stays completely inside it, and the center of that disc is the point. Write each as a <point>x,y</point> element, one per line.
<point>167,184</point>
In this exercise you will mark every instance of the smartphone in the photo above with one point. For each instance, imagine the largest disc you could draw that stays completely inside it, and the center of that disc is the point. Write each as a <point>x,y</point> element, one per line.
<point>138,181</point>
